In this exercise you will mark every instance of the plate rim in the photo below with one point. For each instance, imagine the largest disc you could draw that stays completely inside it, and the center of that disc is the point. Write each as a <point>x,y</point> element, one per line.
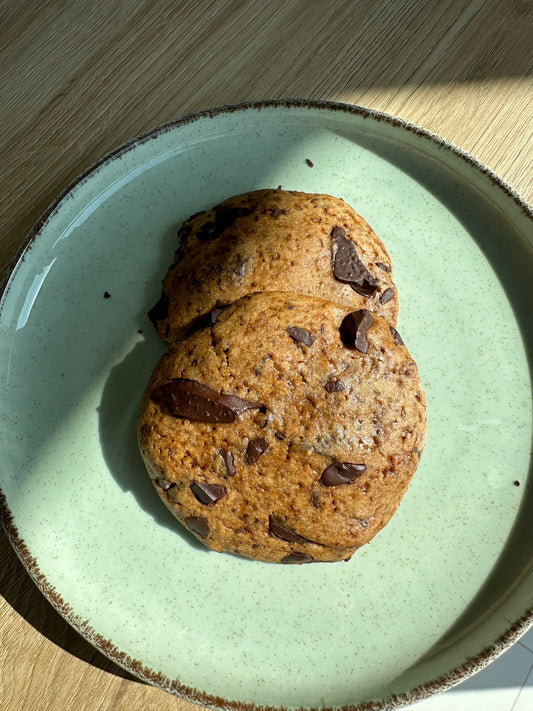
<point>460,673</point>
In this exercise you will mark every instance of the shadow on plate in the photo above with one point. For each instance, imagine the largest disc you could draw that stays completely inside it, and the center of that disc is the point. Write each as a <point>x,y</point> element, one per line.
<point>117,421</point>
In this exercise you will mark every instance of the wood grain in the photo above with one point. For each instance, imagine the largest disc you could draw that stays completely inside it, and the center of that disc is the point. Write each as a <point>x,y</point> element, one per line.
<point>80,78</point>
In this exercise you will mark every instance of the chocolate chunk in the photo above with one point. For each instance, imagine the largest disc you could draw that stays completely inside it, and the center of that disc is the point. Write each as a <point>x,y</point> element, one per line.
<point>315,499</point>
<point>160,310</point>
<point>347,267</point>
<point>208,493</point>
<point>279,435</point>
<point>207,231</point>
<point>198,524</point>
<point>309,162</point>
<point>255,449</point>
<point>301,335</point>
<point>196,401</point>
<point>340,473</point>
<point>354,327</point>
<point>396,336</point>
<point>227,458</point>
<point>386,296</point>
<point>297,558</point>
<point>335,386</point>
<point>165,484</point>
<point>385,267</point>
<point>224,218</point>
<point>276,528</point>
<point>277,211</point>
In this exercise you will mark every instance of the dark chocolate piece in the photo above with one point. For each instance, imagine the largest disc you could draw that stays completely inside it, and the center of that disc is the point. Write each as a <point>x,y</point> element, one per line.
<point>227,458</point>
<point>277,211</point>
<point>347,267</point>
<point>398,339</point>
<point>255,449</point>
<point>160,310</point>
<point>277,529</point>
<point>301,335</point>
<point>279,435</point>
<point>353,329</point>
<point>309,162</point>
<point>165,484</point>
<point>340,473</point>
<point>196,401</point>
<point>335,386</point>
<point>207,493</point>
<point>386,296</point>
<point>385,267</point>
<point>297,558</point>
<point>198,524</point>
<point>224,218</point>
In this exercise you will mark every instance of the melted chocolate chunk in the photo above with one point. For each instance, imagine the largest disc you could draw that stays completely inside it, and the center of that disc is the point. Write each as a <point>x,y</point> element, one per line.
<point>301,335</point>
<point>227,458</point>
<point>398,339</point>
<point>353,329</point>
<point>347,267</point>
<point>255,449</point>
<point>195,401</point>
<point>198,524</point>
<point>277,529</point>
<point>224,218</point>
<point>386,296</point>
<point>208,493</point>
<point>160,310</point>
<point>297,558</point>
<point>385,267</point>
<point>340,473</point>
<point>335,386</point>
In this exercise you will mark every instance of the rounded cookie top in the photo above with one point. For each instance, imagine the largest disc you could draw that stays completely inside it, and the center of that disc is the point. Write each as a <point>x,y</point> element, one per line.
<point>287,430</point>
<point>274,240</point>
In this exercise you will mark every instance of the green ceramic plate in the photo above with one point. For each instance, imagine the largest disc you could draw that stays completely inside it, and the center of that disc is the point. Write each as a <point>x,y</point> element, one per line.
<point>444,588</point>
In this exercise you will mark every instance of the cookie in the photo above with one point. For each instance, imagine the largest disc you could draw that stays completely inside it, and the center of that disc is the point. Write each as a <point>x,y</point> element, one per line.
<point>274,240</point>
<point>286,430</point>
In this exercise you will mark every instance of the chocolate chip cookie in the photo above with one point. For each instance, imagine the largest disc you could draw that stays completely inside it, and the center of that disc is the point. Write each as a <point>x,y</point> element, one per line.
<point>286,429</point>
<point>274,240</point>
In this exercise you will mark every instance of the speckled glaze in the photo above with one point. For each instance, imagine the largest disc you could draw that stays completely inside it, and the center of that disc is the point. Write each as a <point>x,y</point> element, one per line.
<point>443,589</point>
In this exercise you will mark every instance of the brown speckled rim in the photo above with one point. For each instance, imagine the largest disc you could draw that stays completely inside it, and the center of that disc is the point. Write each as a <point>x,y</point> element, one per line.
<point>134,666</point>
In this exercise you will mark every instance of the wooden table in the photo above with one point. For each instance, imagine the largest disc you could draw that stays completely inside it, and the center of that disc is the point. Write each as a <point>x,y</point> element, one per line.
<point>79,78</point>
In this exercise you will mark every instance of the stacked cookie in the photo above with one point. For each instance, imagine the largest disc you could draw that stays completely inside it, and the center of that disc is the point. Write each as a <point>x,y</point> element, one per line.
<point>286,418</point>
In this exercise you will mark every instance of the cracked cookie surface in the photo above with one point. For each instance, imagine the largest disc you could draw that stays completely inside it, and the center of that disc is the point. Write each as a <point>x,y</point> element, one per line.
<point>274,240</point>
<point>286,430</point>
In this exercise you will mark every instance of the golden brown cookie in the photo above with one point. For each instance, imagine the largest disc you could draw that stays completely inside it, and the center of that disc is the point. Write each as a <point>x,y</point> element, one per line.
<point>287,430</point>
<point>274,240</point>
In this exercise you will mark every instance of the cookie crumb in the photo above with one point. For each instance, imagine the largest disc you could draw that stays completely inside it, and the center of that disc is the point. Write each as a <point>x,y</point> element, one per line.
<point>107,295</point>
<point>309,162</point>
<point>516,482</point>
